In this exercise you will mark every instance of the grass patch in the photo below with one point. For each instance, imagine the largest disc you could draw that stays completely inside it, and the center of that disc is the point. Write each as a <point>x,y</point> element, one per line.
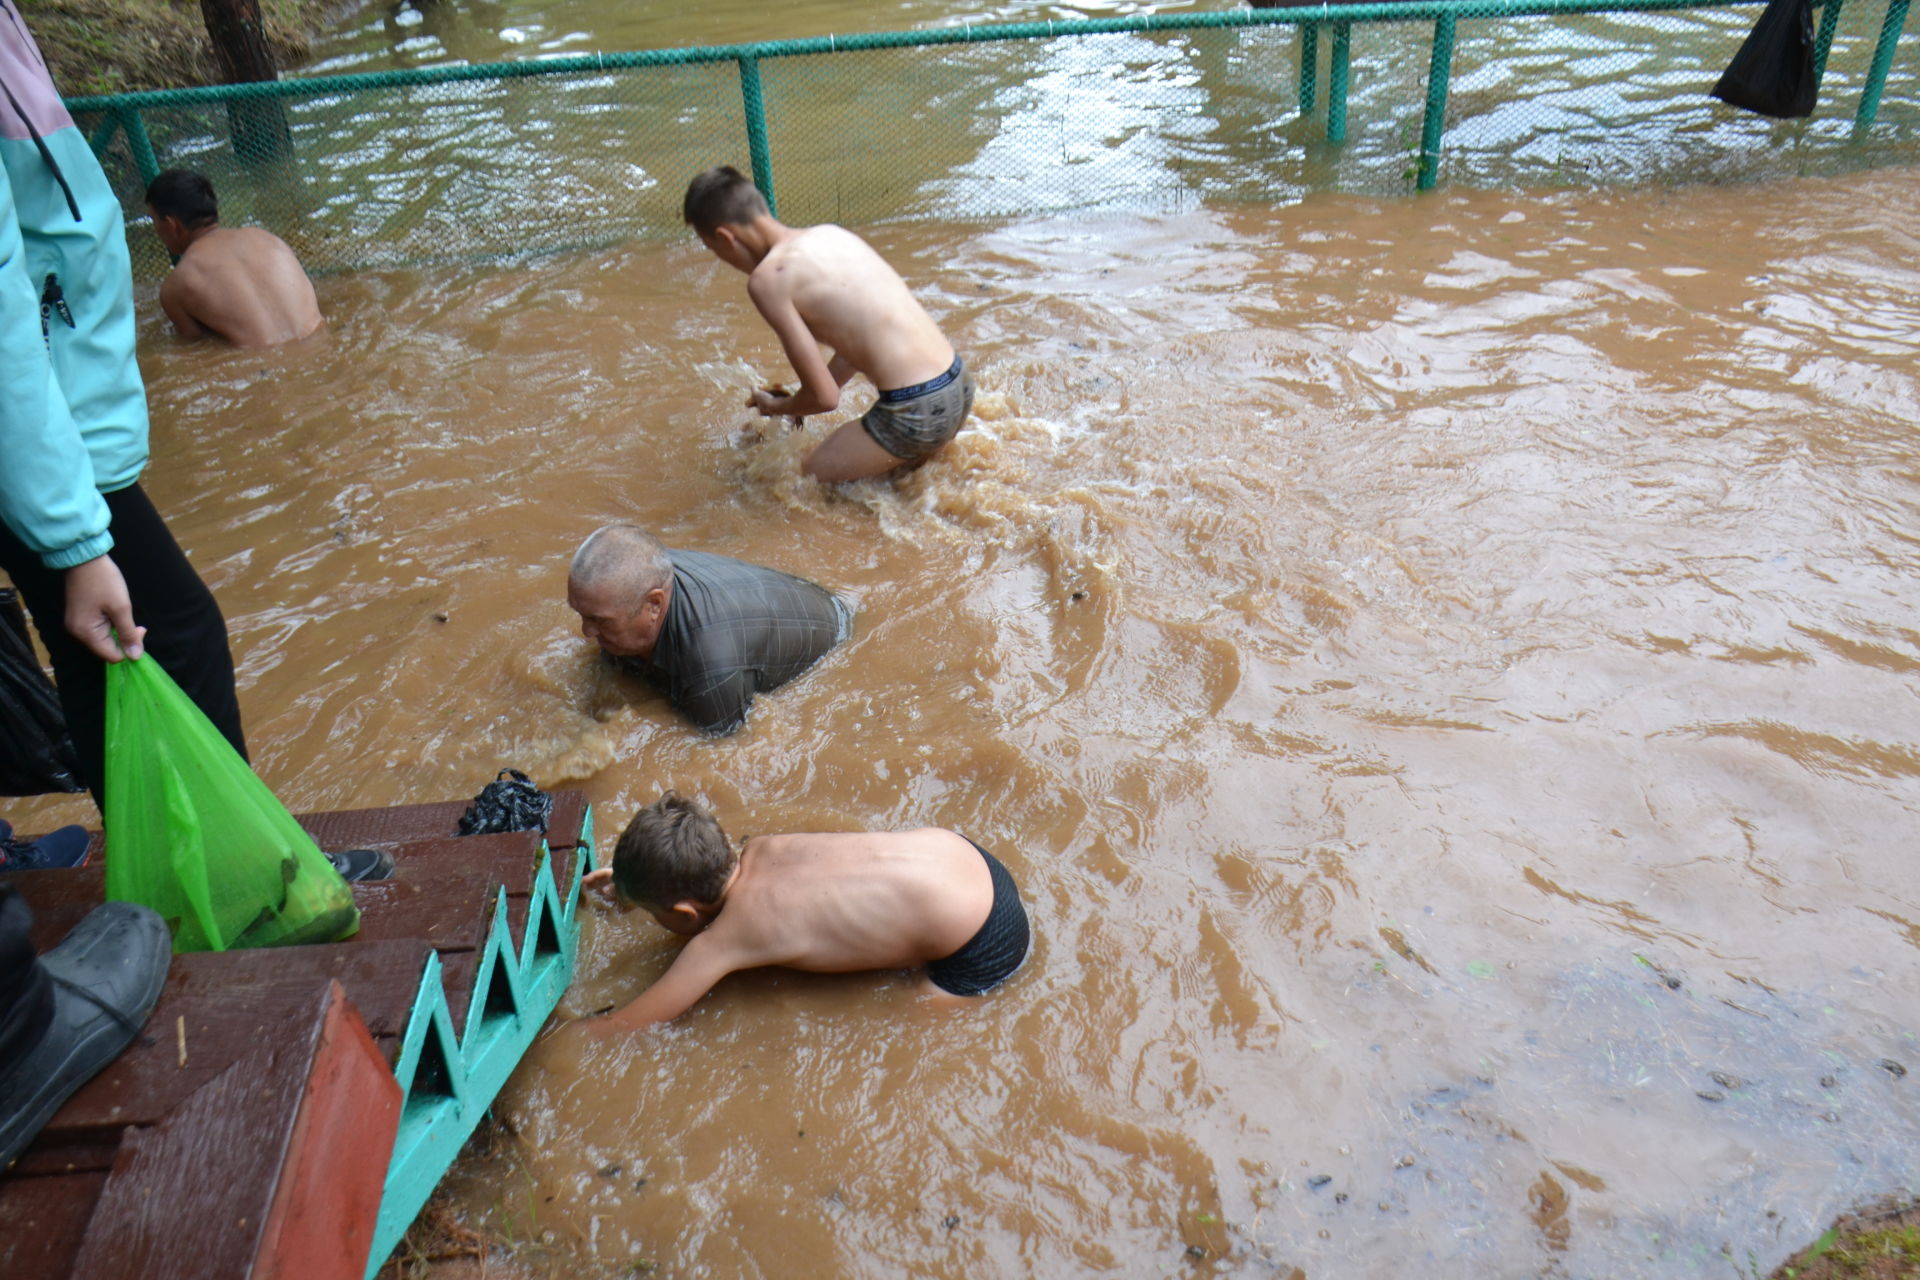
<point>1878,1244</point>
<point>116,46</point>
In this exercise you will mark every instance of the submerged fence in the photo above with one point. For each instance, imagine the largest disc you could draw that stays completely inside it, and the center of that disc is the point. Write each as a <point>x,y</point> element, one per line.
<point>982,123</point>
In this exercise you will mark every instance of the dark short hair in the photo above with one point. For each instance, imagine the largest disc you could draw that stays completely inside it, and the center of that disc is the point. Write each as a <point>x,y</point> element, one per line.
<point>672,851</point>
<point>183,194</point>
<point>722,197</point>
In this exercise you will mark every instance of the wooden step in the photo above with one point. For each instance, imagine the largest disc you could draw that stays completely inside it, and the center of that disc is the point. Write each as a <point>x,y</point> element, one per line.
<point>251,1152</point>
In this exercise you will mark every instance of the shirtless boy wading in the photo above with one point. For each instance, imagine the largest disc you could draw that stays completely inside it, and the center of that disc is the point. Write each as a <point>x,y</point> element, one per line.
<point>239,283</point>
<point>825,286</point>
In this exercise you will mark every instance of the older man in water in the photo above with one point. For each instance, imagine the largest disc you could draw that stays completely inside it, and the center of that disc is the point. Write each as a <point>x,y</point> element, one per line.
<point>710,630</point>
<point>239,283</point>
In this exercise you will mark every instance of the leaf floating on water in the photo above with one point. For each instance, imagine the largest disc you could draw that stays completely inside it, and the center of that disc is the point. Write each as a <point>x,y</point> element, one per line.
<point>1710,1095</point>
<point>1726,1081</point>
<point>1892,1068</point>
<point>1479,969</point>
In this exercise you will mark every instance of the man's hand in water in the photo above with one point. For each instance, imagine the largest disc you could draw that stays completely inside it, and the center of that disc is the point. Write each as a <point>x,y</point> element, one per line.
<point>97,607</point>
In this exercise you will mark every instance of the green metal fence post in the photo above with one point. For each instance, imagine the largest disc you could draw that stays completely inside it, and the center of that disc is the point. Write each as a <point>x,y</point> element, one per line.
<point>141,144</point>
<point>1337,82</point>
<point>1882,59</point>
<point>98,140</point>
<point>1829,19</point>
<point>1309,65</point>
<point>1438,72</point>
<point>757,149</point>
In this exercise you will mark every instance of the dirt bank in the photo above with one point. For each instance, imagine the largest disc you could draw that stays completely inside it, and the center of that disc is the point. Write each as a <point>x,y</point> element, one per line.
<point>110,46</point>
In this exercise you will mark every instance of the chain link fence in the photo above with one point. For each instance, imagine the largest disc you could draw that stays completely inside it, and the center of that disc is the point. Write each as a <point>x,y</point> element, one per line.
<point>1150,112</point>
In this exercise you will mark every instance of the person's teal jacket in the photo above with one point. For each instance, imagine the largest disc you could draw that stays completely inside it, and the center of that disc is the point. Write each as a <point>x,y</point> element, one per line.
<point>73,410</point>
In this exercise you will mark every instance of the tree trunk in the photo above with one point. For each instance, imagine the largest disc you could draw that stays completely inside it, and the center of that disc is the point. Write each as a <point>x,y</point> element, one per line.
<point>240,46</point>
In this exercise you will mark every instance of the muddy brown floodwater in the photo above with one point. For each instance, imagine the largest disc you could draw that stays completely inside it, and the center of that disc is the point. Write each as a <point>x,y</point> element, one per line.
<point>1443,670</point>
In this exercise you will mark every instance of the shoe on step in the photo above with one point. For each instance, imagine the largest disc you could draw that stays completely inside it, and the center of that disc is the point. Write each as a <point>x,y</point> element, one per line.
<point>362,864</point>
<point>66,847</point>
<point>106,977</point>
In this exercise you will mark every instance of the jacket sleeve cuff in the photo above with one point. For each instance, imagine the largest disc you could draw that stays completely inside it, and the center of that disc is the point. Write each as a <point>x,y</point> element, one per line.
<point>79,553</point>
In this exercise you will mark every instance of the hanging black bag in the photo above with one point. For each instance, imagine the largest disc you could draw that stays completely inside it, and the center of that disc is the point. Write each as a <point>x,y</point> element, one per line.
<point>36,757</point>
<point>1773,72</point>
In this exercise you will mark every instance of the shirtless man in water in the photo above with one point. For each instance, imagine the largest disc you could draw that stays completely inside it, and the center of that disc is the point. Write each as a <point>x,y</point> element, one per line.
<point>240,283</point>
<point>826,286</point>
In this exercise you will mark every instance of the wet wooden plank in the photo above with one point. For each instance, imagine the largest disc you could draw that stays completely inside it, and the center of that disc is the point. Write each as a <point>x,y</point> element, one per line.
<point>365,828</point>
<point>58,899</point>
<point>444,890</point>
<point>229,1004</point>
<point>272,1167</point>
<point>42,1221</point>
<point>401,824</point>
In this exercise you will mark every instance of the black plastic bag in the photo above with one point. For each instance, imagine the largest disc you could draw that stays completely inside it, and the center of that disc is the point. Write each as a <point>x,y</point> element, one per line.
<point>508,803</point>
<point>36,756</point>
<point>1773,72</point>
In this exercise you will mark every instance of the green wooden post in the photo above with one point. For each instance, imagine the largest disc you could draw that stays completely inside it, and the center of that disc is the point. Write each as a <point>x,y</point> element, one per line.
<point>1829,19</point>
<point>1438,72</point>
<point>755,103</point>
<point>1882,59</point>
<point>1309,65</point>
<point>140,143</point>
<point>1337,82</point>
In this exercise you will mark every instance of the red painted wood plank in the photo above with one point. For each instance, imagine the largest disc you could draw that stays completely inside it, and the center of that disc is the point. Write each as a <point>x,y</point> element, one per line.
<point>322,1221</point>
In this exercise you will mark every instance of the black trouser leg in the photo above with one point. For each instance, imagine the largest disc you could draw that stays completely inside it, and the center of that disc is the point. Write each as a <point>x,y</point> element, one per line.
<point>185,632</point>
<point>26,996</point>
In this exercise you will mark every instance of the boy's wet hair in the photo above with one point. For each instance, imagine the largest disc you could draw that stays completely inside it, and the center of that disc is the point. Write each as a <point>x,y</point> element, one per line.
<point>186,195</point>
<point>672,851</point>
<point>722,197</point>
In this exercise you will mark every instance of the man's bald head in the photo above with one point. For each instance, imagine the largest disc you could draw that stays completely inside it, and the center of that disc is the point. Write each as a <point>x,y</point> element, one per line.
<point>619,583</point>
<point>623,560</point>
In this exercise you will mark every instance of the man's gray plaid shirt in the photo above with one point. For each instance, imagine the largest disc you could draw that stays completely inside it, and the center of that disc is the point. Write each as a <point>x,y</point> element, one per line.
<point>735,629</point>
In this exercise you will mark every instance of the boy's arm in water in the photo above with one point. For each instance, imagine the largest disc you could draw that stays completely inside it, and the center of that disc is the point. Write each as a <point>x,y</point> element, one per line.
<point>819,389</point>
<point>706,959</point>
<point>768,399</point>
<point>701,963</point>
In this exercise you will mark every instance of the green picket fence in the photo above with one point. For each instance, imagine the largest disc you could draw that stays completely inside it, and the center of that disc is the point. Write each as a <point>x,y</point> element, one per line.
<point>992,122</point>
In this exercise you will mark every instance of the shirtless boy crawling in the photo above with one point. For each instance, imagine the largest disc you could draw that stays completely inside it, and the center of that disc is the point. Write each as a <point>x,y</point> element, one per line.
<point>824,285</point>
<point>826,903</point>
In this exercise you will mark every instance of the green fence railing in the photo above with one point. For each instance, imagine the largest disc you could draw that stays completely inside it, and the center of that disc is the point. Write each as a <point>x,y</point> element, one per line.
<point>1148,111</point>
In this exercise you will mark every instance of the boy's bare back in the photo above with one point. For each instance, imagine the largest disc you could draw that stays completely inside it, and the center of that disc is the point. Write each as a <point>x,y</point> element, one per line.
<point>243,284</point>
<point>844,902</point>
<point>845,296</point>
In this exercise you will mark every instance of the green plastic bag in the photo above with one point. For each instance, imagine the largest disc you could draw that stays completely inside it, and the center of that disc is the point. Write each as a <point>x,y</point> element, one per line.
<point>193,833</point>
